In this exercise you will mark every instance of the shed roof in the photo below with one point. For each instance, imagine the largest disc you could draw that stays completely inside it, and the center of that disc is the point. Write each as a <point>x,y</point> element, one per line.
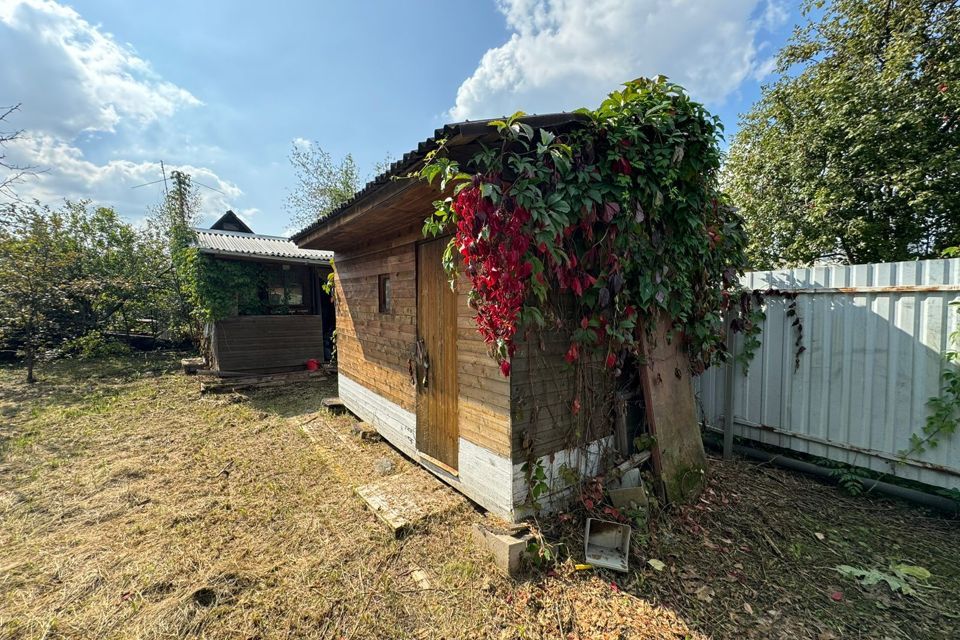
<point>463,139</point>
<point>248,245</point>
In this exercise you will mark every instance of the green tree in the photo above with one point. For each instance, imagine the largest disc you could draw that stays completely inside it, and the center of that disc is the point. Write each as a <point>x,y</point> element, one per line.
<point>854,153</point>
<point>35,298</point>
<point>176,216</point>
<point>322,183</point>
<point>172,222</point>
<point>120,273</point>
<point>69,275</point>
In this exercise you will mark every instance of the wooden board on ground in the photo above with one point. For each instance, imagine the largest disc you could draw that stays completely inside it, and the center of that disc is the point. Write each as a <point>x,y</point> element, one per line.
<point>678,457</point>
<point>226,385</point>
<point>403,500</point>
<point>192,365</point>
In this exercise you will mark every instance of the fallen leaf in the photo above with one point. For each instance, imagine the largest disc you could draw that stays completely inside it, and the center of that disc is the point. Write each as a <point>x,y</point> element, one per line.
<point>705,594</point>
<point>870,577</point>
<point>420,577</point>
<point>911,570</point>
<point>748,608</point>
<point>836,596</point>
<point>656,564</point>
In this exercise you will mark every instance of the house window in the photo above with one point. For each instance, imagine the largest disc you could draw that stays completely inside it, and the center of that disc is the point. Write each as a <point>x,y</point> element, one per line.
<point>385,299</point>
<point>285,290</point>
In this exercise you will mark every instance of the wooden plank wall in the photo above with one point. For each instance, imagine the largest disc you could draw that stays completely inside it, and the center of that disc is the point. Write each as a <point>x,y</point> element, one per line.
<point>543,388</point>
<point>266,343</point>
<point>372,347</point>
<point>484,393</point>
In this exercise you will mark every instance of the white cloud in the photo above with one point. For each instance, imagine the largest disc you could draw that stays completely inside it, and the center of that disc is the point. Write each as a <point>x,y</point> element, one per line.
<point>565,54</point>
<point>117,182</point>
<point>81,90</point>
<point>775,14</point>
<point>98,81</point>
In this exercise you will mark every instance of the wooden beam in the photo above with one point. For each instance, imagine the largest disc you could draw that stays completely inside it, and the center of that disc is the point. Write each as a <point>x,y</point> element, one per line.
<point>728,395</point>
<point>678,457</point>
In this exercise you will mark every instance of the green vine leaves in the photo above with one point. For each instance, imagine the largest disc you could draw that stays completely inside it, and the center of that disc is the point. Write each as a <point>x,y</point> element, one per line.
<point>623,215</point>
<point>220,288</point>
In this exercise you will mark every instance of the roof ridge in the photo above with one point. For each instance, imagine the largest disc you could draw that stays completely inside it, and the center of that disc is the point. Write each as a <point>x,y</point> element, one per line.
<point>241,234</point>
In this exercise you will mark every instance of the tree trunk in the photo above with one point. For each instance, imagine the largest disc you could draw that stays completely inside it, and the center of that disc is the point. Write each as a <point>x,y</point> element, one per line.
<point>31,359</point>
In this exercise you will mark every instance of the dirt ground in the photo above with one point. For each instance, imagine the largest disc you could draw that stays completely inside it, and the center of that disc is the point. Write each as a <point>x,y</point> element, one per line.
<point>130,506</point>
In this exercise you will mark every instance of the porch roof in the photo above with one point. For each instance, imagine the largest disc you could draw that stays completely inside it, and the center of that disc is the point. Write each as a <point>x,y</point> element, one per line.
<point>252,246</point>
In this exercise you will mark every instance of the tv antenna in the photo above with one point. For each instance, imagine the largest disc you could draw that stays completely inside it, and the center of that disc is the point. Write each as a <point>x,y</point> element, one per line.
<point>166,190</point>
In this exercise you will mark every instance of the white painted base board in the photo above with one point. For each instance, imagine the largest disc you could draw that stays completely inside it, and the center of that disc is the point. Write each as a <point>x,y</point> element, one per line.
<point>484,477</point>
<point>584,462</point>
<point>491,480</point>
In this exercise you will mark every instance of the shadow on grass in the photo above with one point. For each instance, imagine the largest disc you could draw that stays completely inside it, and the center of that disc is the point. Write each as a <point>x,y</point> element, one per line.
<point>295,399</point>
<point>72,386</point>
<point>757,557</point>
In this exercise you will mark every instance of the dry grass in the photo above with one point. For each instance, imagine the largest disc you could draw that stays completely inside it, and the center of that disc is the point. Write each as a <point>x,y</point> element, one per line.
<point>132,507</point>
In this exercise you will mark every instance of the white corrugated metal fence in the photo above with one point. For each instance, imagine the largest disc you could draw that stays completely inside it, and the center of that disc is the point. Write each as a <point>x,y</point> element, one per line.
<point>874,335</point>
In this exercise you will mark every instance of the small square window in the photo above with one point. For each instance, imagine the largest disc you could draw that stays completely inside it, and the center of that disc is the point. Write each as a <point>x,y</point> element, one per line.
<point>385,302</point>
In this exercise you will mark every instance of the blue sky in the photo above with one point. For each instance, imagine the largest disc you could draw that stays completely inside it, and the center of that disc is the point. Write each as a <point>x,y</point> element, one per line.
<point>223,89</point>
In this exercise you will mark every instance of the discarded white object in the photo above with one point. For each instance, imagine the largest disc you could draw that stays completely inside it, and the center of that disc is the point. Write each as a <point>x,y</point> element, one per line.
<point>607,544</point>
<point>630,479</point>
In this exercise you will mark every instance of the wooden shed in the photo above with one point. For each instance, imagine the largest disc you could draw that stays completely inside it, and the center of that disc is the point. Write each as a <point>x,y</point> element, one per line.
<point>410,359</point>
<point>294,319</point>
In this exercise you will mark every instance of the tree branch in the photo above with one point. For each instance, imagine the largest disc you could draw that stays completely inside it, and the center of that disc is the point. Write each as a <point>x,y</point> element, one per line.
<point>11,173</point>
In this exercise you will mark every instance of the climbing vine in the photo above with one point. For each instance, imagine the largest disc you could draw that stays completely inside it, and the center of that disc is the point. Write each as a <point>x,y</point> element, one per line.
<point>747,318</point>
<point>220,288</point>
<point>598,230</point>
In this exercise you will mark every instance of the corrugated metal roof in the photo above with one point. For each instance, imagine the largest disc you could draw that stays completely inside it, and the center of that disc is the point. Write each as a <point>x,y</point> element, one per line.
<point>470,131</point>
<point>235,243</point>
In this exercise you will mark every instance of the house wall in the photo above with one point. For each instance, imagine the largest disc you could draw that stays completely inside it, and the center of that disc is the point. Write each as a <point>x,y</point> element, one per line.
<point>484,401</point>
<point>545,429</point>
<point>266,343</point>
<point>373,349</point>
<point>543,388</point>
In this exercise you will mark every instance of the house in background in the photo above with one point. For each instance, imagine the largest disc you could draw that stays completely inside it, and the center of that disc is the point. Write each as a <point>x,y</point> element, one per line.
<point>294,319</point>
<point>231,222</point>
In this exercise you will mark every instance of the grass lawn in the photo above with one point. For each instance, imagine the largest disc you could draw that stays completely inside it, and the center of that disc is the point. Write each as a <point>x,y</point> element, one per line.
<point>132,507</point>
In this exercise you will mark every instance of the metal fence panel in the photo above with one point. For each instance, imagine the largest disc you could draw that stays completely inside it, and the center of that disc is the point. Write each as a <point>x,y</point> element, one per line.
<point>874,337</point>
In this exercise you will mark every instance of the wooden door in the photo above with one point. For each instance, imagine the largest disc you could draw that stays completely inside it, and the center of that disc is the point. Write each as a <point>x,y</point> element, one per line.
<point>437,430</point>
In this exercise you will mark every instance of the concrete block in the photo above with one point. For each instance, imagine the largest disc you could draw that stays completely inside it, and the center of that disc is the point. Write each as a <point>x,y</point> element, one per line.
<point>507,550</point>
<point>629,495</point>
